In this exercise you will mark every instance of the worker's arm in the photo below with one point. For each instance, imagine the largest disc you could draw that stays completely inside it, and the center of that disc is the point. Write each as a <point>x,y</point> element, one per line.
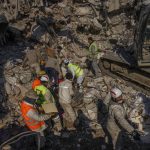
<point>93,48</point>
<point>122,121</point>
<point>72,71</point>
<point>36,116</point>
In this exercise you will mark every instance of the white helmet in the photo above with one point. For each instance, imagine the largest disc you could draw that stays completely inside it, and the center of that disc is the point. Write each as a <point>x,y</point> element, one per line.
<point>66,61</point>
<point>115,92</point>
<point>45,78</point>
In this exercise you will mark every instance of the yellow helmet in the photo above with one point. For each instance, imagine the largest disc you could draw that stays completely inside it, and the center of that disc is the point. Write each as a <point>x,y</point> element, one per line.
<point>42,72</point>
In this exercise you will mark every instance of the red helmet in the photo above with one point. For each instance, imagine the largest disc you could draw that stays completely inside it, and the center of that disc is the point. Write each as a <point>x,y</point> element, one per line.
<point>35,83</point>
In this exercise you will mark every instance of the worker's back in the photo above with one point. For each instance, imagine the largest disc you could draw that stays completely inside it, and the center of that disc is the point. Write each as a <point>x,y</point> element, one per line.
<point>76,68</point>
<point>65,91</point>
<point>32,124</point>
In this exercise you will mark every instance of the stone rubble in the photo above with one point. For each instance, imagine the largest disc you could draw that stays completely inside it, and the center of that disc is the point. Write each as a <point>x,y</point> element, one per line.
<point>66,25</point>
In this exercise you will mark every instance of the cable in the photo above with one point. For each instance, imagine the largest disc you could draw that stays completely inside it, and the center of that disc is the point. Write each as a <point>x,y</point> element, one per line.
<point>23,134</point>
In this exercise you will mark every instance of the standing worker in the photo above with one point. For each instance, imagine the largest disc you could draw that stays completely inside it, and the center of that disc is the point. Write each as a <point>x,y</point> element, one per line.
<point>76,72</point>
<point>32,118</point>
<point>65,96</point>
<point>92,60</point>
<point>117,120</point>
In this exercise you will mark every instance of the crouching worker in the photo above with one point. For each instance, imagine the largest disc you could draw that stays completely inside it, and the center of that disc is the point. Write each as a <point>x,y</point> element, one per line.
<point>34,120</point>
<point>76,72</point>
<point>65,97</point>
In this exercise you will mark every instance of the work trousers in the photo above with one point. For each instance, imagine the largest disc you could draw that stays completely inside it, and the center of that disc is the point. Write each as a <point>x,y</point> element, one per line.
<point>96,68</point>
<point>93,67</point>
<point>116,136</point>
<point>69,111</point>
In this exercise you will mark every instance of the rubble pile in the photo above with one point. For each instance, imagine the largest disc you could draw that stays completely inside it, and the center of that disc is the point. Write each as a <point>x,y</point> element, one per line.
<point>67,24</point>
<point>71,20</point>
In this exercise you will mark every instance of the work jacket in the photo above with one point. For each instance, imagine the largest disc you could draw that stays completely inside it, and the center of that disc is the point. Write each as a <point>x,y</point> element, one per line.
<point>75,70</point>
<point>41,90</point>
<point>117,119</point>
<point>93,50</point>
<point>32,124</point>
<point>65,91</point>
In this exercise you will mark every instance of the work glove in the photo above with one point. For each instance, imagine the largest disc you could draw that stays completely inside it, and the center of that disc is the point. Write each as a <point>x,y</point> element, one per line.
<point>136,135</point>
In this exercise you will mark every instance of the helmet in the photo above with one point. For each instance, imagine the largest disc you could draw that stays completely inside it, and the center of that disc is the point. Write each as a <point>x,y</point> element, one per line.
<point>115,92</point>
<point>66,61</point>
<point>42,72</point>
<point>44,78</point>
<point>35,83</point>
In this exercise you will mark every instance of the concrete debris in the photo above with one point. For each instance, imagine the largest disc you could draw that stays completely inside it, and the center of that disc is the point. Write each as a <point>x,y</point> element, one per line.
<point>66,25</point>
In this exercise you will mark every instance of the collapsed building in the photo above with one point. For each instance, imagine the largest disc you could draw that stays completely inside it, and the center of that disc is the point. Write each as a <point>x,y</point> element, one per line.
<point>42,24</point>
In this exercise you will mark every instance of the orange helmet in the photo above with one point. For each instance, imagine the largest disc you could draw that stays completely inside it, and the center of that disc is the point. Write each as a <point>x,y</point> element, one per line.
<point>35,83</point>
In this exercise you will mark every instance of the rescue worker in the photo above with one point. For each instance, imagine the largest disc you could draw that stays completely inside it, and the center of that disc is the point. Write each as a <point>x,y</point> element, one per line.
<point>92,59</point>
<point>32,57</point>
<point>65,96</point>
<point>40,86</point>
<point>76,72</point>
<point>32,118</point>
<point>117,121</point>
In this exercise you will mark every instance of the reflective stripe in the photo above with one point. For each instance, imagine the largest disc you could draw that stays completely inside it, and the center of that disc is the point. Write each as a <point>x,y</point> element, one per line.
<point>78,69</point>
<point>65,87</point>
<point>31,122</point>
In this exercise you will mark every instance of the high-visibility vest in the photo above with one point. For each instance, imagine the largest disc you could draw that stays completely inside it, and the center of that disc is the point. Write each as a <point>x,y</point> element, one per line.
<point>93,48</point>
<point>76,68</point>
<point>41,89</point>
<point>31,123</point>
